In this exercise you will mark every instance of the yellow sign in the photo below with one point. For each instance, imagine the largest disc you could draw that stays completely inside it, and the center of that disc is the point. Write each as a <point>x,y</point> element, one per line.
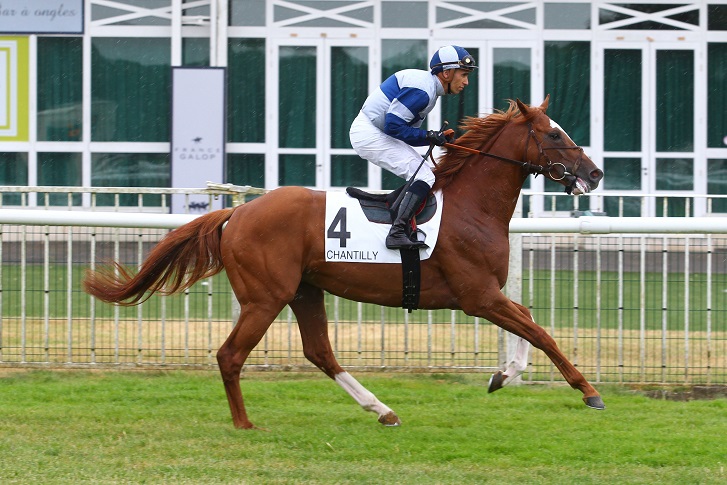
<point>14,101</point>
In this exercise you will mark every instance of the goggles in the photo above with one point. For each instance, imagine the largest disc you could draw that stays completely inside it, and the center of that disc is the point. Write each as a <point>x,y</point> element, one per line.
<point>467,62</point>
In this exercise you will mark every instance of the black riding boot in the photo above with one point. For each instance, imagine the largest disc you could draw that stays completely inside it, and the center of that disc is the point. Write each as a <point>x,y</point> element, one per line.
<point>397,238</point>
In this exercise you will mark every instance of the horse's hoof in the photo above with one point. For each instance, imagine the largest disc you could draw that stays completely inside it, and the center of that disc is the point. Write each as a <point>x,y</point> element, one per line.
<point>390,419</point>
<point>496,381</point>
<point>594,402</point>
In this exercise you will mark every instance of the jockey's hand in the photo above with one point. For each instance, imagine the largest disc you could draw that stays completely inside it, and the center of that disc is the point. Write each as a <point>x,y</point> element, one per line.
<point>436,138</point>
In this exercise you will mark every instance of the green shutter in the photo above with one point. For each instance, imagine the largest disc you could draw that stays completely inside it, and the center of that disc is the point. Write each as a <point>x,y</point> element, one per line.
<point>568,81</point>
<point>623,72</point>
<point>60,88</point>
<point>130,89</point>
<point>717,95</point>
<point>246,91</point>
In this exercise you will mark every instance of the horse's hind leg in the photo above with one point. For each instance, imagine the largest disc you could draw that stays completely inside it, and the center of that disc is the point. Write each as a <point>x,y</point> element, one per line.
<point>251,326</point>
<point>310,311</point>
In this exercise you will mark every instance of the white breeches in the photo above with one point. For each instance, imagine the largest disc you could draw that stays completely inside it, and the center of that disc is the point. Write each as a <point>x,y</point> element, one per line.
<point>387,152</point>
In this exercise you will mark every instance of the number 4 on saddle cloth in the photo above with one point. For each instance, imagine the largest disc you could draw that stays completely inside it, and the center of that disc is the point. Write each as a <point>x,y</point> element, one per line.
<point>356,227</point>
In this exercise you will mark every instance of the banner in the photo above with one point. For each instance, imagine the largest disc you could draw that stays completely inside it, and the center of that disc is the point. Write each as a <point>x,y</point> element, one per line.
<point>198,135</point>
<point>14,107</point>
<point>41,17</point>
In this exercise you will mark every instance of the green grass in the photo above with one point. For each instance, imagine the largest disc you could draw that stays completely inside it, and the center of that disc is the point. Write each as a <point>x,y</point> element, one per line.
<point>123,427</point>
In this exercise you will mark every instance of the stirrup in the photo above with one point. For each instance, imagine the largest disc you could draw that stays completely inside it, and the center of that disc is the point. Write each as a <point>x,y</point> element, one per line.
<point>408,244</point>
<point>402,241</point>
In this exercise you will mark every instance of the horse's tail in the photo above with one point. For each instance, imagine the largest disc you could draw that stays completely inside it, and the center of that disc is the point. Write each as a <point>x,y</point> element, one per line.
<point>182,257</point>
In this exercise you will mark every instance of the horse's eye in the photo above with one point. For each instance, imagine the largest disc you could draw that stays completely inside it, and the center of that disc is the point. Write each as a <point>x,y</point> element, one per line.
<point>554,135</point>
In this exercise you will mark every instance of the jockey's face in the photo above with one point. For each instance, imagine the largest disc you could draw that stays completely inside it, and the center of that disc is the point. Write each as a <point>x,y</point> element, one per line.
<point>454,80</point>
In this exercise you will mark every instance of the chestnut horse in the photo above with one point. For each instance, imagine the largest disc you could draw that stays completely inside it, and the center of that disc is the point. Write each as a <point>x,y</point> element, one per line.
<point>272,249</point>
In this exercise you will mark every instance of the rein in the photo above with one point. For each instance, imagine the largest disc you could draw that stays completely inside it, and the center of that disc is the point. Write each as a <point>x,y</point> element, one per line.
<point>527,166</point>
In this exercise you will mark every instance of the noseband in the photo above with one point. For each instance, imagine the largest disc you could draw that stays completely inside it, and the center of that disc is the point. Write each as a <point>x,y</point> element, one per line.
<point>552,169</point>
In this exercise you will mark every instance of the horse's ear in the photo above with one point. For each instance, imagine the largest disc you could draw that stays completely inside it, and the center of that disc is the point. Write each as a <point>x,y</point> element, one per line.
<point>522,107</point>
<point>544,106</point>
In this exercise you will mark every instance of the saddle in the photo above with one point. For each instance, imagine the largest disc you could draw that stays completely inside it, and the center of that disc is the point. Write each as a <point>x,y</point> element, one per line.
<point>378,208</point>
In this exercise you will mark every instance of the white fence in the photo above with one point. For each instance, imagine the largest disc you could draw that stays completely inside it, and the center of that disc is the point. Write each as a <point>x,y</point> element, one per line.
<point>628,299</point>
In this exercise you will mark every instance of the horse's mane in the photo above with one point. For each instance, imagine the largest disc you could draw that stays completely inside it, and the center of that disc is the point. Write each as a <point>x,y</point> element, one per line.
<point>478,131</point>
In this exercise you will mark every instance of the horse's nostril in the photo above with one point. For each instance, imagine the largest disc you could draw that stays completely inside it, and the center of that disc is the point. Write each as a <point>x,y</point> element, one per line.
<point>596,175</point>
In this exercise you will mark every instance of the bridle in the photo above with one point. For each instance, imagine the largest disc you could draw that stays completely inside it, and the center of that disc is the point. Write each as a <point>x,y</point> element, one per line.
<point>555,170</point>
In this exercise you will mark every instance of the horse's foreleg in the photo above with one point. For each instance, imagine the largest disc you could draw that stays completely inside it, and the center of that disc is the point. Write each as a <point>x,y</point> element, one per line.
<point>505,314</point>
<point>515,367</point>
<point>310,312</point>
<point>517,360</point>
<point>250,328</point>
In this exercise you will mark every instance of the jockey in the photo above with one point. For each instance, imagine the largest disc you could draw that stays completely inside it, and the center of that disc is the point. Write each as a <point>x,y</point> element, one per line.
<point>388,126</point>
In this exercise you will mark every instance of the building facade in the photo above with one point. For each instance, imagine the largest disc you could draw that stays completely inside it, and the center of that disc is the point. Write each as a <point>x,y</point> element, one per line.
<point>642,86</point>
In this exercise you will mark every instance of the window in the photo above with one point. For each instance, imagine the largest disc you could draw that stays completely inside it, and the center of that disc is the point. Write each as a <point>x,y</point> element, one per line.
<point>511,76</point>
<point>405,14</point>
<point>717,183</point>
<point>403,54</point>
<point>648,16</point>
<point>622,100</point>
<point>247,13</point>
<point>674,174</point>
<point>13,171</point>
<point>196,51</point>
<point>567,16</point>
<point>297,97</point>
<point>674,101</point>
<point>245,169</point>
<point>297,170</point>
<point>568,81</point>
<point>60,88</point>
<point>503,15</point>
<point>622,174</point>
<point>60,169</point>
<point>351,65</point>
<point>717,17</point>
<point>130,170</point>
<point>349,170</point>
<point>130,86</point>
<point>297,114</point>
<point>349,89</point>
<point>246,91</point>
<point>717,94</point>
<point>389,181</point>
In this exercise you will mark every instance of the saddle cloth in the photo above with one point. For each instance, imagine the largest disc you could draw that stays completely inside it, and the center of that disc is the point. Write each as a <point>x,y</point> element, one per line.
<point>351,238</point>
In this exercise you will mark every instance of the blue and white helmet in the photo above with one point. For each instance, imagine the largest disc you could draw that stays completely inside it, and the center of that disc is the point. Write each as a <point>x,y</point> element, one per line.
<point>451,57</point>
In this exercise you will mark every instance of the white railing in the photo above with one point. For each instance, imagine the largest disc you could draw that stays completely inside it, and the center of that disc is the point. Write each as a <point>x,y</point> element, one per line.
<point>579,225</point>
<point>628,300</point>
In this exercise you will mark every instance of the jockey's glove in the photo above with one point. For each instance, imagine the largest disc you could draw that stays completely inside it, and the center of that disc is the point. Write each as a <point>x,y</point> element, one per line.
<point>436,138</point>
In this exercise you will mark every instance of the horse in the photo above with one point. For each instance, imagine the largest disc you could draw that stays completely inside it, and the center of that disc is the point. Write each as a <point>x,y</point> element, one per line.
<point>272,249</point>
